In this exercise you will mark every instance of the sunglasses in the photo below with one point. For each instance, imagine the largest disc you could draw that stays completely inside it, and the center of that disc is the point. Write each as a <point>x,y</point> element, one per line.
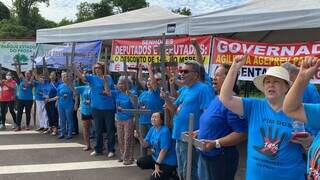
<point>97,67</point>
<point>185,71</point>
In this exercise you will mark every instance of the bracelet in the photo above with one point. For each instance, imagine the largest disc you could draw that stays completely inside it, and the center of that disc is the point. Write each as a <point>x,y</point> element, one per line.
<point>157,163</point>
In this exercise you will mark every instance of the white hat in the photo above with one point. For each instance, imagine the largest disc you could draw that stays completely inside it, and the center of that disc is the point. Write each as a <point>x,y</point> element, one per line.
<point>275,71</point>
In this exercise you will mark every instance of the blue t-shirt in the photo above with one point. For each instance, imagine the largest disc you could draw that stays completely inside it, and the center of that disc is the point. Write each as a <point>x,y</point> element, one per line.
<point>271,155</point>
<point>122,101</point>
<point>65,97</point>
<point>85,94</point>
<point>311,94</point>
<point>41,90</point>
<point>98,99</point>
<point>194,100</point>
<point>150,100</point>
<point>52,89</point>
<point>161,139</point>
<point>25,91</point>
<point>313,114</point>
<point>216,122</point>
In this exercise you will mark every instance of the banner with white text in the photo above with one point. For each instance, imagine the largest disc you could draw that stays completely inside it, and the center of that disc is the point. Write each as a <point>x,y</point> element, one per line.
<point>16,50</point>
<point>261,55</point>
<point>145,51</point>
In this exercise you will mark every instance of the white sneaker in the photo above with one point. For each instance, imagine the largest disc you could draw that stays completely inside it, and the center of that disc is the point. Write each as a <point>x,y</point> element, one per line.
<point>94,153</point>
<point>111,154</point>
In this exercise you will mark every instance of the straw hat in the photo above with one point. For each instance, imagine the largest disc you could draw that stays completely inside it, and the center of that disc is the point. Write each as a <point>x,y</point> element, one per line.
<point>275,71</point>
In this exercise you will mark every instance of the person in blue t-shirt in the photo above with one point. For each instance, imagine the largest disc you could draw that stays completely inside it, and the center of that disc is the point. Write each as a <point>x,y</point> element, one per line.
<point>65,106</point>
<point>149,99</point>
<point>51,108</point>
<point>220,130</point>
<point>24,98</point>
<point>41,90</point>
<point>306,113</point>
<point>193,98</point>
<point>86,113</point>
<point>163,159</point>
<point>310,94</point>
<point>103,107</point>
<point>124,120</point>
<point>271,154</point>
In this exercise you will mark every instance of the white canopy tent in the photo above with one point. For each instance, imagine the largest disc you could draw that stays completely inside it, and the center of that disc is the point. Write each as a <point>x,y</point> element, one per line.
<point>145,22</point>
<point>288,21</point>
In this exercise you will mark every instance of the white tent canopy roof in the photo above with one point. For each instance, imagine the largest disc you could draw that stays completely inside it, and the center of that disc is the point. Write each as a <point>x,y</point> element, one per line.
<point>145,22</point>
<point>258,15</point>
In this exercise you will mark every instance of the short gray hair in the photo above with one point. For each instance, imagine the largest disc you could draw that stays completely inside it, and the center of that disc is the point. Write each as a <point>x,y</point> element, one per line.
<point>291,68</point>
<point>123,78</point>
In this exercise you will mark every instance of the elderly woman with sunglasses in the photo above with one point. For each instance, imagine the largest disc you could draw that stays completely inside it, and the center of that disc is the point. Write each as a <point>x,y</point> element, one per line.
<point>271,154</point>
<point>306,113</point>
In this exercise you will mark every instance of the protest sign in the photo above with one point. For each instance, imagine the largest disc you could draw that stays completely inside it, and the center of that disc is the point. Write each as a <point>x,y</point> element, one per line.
<point>146,51</point>
<point>261,55</point>
<point>19,50</point>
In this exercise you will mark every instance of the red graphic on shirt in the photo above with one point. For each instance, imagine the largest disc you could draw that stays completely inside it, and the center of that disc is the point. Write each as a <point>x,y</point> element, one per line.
<point>271,145</point>
<point>314,170</point>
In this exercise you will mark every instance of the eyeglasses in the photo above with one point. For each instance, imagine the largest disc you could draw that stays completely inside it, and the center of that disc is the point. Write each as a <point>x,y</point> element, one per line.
<point>185,71</point>
<point>97,67</point>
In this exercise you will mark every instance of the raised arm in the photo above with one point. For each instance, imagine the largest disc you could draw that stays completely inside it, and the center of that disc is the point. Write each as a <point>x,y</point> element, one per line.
<point>292,105</point>
<point>232,102</point>
<point>199,56</point>
<point>77,73</point>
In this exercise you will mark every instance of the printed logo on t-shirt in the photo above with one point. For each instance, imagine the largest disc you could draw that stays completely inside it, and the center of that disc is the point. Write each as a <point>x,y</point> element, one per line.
<point>314,170</point>
<point>272,143</point>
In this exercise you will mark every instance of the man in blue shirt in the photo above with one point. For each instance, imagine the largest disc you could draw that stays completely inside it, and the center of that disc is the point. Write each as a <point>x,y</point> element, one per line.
<point>194,98</point>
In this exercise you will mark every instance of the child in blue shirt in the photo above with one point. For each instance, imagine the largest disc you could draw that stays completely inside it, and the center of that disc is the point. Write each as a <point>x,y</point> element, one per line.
<point>86,113</point>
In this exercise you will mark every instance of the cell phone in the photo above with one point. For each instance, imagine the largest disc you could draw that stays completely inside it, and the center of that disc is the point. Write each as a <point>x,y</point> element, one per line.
<point>300,135</point>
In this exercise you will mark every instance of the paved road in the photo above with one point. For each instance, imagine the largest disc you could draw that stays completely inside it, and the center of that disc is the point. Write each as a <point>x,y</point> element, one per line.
<point>28,155</point>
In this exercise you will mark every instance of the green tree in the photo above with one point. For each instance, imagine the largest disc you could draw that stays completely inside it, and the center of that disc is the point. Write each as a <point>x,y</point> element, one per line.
<point>65,22</point>
<point>10,28</point>
<point>88,11</point>
<point>126,5</point>
<point>183,11</point>
<point>24,9</point>
<point>4,12</point>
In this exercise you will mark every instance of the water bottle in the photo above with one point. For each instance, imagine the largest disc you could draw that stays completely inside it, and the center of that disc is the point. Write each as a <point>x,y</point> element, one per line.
<point>298,130</point>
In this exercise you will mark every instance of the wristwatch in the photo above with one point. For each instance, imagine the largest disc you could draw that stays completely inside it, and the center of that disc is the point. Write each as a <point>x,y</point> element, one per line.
<point>217,144</point>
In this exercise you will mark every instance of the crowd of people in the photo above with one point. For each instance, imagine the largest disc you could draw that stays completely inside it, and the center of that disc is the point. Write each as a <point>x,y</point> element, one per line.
<point>222,119</point>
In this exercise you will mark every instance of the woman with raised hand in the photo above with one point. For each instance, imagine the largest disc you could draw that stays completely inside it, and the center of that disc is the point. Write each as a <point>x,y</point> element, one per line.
<point>149,99</point>
<point>103,107</point>
<point>271,154</point>
<point>163,159</point>
<point>220,130</point>
<point>306,113</point>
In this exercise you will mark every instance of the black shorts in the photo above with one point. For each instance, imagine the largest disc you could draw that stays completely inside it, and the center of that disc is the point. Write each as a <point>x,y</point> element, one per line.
<point>86,117</point>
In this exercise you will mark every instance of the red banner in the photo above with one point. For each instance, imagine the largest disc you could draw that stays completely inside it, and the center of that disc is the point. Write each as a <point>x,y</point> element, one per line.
<point>146,50</point>
<point>261,55</point>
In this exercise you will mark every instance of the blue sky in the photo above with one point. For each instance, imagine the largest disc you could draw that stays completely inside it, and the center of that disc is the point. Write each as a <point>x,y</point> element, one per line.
<point>59,9</point>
